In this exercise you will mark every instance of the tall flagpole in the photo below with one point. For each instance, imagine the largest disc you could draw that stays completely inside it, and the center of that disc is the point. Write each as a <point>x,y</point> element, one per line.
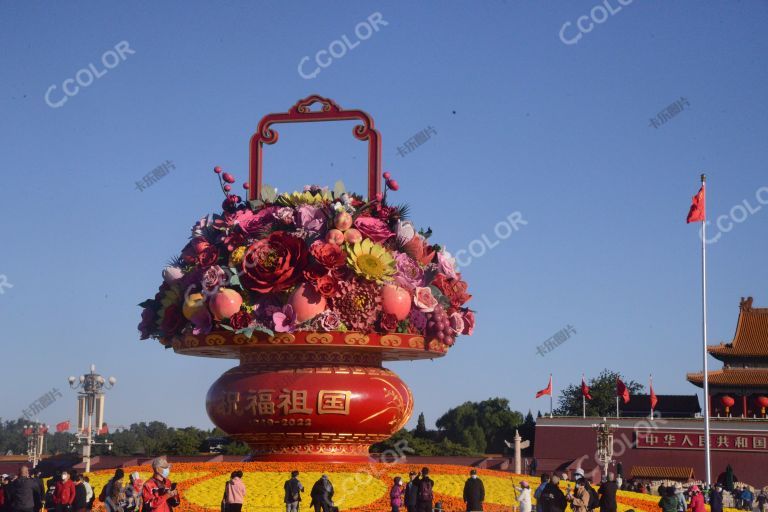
<point>650,398</point>
<point>708,462</point>
<point>551,392</point>
<point>583,399</point>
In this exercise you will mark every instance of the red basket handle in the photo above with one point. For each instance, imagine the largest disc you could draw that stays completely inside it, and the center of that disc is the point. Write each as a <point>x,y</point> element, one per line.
<point>301,113</point>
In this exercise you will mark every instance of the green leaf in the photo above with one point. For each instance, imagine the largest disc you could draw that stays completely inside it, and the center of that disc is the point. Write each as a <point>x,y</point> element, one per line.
<point>268,193</point>
<point>149,303</point>
<point>255,204</point>
<point>234,279</point>
<point>261,328</point>
<point>339,189</point>
<point>227,327</point>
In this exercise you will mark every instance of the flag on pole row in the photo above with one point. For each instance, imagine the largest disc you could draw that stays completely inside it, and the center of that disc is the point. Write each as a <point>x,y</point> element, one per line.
<point>697,212</point>
<point>63,426</point>
<point>654,399</point>
<point>585,390</point>
<point>622,391</point>
<point>547,390</point>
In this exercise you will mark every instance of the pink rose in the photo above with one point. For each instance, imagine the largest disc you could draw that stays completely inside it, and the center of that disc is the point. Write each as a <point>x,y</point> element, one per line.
<point>457,322</point>
<point>446,264</point>
<point>469,322</point>
<point>213,278</point>
<point>254,223</point>
<point>373,228</point>
<point>424,300</point>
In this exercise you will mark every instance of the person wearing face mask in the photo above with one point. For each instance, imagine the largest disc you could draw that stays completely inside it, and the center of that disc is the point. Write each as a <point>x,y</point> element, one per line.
<point>64,495</point>
<point>158,493</point>
<point>474,492</point>
<point>396,494</point>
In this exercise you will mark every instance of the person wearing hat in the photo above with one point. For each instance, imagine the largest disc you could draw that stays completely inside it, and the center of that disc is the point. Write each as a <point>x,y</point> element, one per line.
<point>474,492</point>
<point>697,500</point>
<point>524,498</point>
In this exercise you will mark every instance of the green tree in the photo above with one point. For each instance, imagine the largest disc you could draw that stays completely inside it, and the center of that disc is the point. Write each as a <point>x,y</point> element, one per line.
<point>603,391</point>
<point>421,426</point>
<point>183,442</point>
<point>237,448</point>
<point>491,420</point>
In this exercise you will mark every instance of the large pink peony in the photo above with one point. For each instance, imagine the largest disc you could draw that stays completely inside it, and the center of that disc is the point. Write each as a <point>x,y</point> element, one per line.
<point>373,228</point>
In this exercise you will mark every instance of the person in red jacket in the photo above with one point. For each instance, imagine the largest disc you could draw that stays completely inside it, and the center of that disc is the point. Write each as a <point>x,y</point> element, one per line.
<point>697,500</point>
<point>158,492</point>
<point>65,493</point>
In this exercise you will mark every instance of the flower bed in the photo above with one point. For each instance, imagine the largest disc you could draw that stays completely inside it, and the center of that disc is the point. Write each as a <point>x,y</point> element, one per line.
<point>358,487</point>
<point>315,260</point>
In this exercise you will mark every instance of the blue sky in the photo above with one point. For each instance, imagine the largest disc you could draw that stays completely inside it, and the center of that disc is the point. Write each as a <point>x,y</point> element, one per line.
<point>524,123</point>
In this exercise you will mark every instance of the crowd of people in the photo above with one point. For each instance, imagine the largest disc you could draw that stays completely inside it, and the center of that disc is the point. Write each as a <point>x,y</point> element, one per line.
<point>69,491</point>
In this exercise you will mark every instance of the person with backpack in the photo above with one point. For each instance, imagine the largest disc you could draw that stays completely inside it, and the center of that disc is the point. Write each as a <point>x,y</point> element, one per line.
<point>607,492</point>
<point>293,490</point>
<point>322,495</point>
<point>23,492</point>
<point>474,492</point>
<point>552,497</point>
<point>425,493</point>
<point>106,491</point>
<point>234,493</point>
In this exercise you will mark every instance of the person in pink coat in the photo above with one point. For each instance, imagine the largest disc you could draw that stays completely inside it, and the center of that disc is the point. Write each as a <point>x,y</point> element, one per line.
<point>396,494</point>
<point>697,500</point>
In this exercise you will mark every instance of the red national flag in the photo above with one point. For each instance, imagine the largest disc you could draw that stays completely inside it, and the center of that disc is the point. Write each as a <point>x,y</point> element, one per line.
<point>104,430</point>
<point>654,400</point>
<point>547,390</point>
<point>585,390</point>
<point>44,430</point>
<point>621,390</point>
<point>697,213</point>
<point>63,426</point>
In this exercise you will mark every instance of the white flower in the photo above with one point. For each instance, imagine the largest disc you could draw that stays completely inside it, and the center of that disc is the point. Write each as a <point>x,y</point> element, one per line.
<point>405,231</point>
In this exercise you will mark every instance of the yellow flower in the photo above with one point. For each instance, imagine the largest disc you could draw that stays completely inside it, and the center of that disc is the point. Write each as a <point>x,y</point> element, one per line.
<point>237,256</point>
<point>370,260</point>
<point>299,198</point>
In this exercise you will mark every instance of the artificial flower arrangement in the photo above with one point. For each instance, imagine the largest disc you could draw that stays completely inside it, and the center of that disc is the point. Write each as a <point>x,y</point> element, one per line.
<point>315,260</point>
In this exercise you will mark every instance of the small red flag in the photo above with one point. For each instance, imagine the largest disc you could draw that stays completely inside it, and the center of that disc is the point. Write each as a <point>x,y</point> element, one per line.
<point>63,426</point>
<point>104,430</point>
<point>27,431</point>
<point>621,390</point>
<point>697,213</point>
<point>585,390</point>
<point>547,390</point>
<point>654,400</point>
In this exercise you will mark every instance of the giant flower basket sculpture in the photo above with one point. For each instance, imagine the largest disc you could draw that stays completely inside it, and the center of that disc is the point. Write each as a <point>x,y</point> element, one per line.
<point>311,291</point>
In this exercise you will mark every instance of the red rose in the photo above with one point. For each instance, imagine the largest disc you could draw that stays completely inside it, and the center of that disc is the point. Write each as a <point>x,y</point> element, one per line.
<point>388,323</point>
<point>274,263</point>
<point>328,255</point>
<point>327,286</point>
<point>469,322</point>
<point>200,251</point>
<point>240,320</point>
<point>173,321</point>
<point>454,289</point>
<point>418,249</point>
<point>314,271</point>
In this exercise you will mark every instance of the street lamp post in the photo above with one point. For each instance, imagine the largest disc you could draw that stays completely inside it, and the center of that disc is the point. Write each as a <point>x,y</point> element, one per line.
<point>35,434</point>
<point>90,402</point>
<point>604,432</point>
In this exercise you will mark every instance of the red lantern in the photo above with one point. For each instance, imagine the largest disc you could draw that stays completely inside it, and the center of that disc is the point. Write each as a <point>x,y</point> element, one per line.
<point>762,401</point>
<point>728,402</point>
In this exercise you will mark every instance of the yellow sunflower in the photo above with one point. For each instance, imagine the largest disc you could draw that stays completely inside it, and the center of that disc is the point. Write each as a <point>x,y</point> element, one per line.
<point>370,260</point>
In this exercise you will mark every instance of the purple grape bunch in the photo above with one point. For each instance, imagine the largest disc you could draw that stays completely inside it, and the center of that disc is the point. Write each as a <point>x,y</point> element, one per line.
<point>439,326</point>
